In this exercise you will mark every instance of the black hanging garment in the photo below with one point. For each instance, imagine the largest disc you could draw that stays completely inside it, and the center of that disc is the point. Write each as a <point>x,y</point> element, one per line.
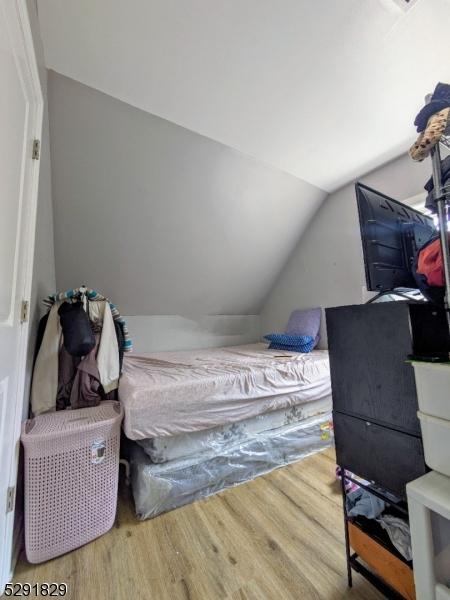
<point>78,337</point>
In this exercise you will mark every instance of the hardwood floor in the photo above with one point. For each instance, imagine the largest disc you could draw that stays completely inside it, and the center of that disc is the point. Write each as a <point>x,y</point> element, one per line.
<point>278,537</point>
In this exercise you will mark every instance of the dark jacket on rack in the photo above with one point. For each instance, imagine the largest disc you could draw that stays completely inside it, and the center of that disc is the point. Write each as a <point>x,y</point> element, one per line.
<point>429,186</point>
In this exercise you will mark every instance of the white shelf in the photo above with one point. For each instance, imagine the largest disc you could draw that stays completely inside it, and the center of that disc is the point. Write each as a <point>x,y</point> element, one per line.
<point>442,592</point>
<point>428,496</point>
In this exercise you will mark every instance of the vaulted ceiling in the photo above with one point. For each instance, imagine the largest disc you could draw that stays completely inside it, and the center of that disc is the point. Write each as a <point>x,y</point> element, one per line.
<point>162,220</point>
<point>322,89</point>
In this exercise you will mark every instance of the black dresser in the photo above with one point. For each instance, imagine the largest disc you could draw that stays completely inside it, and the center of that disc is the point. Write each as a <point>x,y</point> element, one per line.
<point>377,431</point>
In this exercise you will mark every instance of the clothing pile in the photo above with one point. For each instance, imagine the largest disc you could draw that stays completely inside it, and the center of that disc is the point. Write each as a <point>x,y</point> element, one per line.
<point>432,122</point>
<point>79,352</point>
<point>433,125</point>
<point>360,502</point>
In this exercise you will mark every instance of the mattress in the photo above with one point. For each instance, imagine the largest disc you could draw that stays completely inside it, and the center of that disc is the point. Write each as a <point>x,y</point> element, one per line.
<point>172,393</point>
<point>160,488</point>
<point>163,449</point>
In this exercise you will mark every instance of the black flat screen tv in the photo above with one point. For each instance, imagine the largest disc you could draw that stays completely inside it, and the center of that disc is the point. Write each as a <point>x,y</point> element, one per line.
<point>391,234</point>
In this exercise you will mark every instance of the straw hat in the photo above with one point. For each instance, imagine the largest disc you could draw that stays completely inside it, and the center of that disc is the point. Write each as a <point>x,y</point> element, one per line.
<point>434,102</point>
<point>436,126</point>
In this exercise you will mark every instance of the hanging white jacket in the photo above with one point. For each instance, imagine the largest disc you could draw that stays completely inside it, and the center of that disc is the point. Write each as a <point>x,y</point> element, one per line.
<point>44,386</point>
<point>108,350</point>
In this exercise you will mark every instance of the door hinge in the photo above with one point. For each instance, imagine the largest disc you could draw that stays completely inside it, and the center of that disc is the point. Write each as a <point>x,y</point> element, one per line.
<point>36,150</point>
<point>24,310</point>
<point>10,499</point>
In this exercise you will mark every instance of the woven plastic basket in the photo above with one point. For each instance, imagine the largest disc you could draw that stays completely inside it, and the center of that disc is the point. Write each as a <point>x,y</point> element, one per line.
<point>71,478</point>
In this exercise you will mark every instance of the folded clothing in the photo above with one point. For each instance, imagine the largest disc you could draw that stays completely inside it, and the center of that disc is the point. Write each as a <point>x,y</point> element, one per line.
<point>430,264</point>
<point>293,343</point>
<point>440,99</point>
<point>399,534</point>
<point>437,126</point>
<point>361,502</point>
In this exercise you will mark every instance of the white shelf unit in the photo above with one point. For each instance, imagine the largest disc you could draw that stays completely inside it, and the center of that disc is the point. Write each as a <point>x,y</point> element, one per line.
<point>428,502</point>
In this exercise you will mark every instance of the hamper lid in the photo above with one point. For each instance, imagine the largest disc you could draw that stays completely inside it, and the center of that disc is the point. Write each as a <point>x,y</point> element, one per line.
<point>72,420</point>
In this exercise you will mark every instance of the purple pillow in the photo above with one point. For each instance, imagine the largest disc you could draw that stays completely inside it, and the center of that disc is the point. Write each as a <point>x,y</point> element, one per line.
<point>305,322</point>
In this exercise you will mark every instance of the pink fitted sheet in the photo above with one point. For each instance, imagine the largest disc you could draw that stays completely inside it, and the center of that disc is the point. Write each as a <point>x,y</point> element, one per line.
<point>170,393</point>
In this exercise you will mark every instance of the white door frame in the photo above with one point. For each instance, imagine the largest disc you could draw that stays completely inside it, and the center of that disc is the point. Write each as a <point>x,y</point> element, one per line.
<point>18,18</point>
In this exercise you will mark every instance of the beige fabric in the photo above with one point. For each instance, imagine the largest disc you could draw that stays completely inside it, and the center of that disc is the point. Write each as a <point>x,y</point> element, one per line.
<point>45,376</point>
<point>436,126</point>
<point>108,350</point>
<point>171,393</point>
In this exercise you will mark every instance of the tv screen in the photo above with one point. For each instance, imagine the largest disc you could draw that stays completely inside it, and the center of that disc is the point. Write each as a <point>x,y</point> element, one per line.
<point>391,233</point>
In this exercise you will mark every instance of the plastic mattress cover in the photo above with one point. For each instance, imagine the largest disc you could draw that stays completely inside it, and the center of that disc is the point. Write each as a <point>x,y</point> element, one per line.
<point>158,488</point>
<point>181,446</point>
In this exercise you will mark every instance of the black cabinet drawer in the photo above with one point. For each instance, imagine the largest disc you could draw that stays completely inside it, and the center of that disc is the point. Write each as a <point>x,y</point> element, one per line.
<point>371,379</point>
<point>389,458</point>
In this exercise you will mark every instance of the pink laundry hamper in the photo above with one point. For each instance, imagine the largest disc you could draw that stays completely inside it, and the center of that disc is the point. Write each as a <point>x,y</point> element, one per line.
<point>71,478</point>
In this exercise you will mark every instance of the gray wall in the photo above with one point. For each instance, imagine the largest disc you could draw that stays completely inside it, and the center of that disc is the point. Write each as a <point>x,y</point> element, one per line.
<point>163,220</point>
<point>326,268</point>
<point>172,332</point>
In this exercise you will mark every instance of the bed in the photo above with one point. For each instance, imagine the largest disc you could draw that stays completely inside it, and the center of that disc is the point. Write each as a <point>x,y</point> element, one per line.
<point>202,420</point>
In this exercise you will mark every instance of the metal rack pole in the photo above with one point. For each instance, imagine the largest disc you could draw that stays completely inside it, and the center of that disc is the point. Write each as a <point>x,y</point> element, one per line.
<point>441,203</point>
<point>347,540</point>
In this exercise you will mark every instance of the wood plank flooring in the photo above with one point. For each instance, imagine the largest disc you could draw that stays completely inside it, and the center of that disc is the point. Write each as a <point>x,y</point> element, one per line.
<point>278,537</point>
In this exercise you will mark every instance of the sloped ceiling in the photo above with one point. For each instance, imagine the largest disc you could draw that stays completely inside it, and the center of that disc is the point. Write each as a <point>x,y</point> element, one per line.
<point>322,89</point>
<point>162,220</point>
